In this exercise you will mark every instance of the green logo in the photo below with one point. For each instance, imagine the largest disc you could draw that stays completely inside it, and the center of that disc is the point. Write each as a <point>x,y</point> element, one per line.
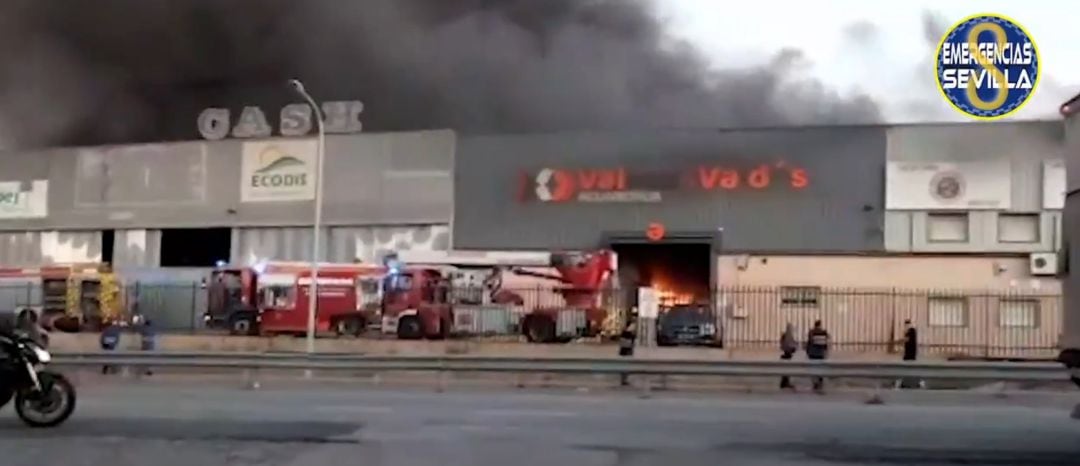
<point>279,170</point>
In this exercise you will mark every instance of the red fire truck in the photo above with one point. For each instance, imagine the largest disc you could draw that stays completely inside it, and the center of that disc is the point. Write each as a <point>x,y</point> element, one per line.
<point>348,299</point>
<point>273,298</point>
<point>238,297</point>
<point>581,277</point>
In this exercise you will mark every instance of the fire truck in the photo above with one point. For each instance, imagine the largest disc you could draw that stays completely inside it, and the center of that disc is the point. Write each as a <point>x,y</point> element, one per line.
<point>274,298</point>
<point>580,277</point>
<point>67,297</point>
<point>240,299</point>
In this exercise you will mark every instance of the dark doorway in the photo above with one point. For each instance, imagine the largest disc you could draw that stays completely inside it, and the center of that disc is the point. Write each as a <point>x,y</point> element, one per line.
<point>108,243</point>
<point>195,247</point>
<point>681,272</point>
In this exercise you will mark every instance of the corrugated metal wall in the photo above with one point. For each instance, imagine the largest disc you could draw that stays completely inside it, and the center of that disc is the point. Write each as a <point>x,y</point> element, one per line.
<point>1025,144</point>
<point>840,211</point>
<point>370,179</point>
<point>339,244</point>
<point>137,248</point>
<point>35,248</point>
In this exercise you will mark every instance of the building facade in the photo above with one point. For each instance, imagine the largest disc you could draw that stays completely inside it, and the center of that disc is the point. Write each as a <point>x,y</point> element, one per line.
<point>144,205</point>
<point>951,206</point>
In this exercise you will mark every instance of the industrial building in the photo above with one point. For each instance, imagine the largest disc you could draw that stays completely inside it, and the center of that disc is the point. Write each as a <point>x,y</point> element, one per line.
<point>193,204</point>
<point>947,206</point>
<point>944,206</point>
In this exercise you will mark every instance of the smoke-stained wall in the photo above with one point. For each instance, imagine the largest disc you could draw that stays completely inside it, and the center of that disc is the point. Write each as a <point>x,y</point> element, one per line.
<point>370,179</point>
<point>824,191</point>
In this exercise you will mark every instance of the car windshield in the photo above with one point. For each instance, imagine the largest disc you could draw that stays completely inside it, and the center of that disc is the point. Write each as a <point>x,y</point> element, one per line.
<point>684,315</point>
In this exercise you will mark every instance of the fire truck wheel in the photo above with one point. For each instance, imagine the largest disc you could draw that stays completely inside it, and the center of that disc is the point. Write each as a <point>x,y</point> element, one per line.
<point>539,329</point>
<point>350,326</point>
<point>409,328</point>
<point>242,324</point>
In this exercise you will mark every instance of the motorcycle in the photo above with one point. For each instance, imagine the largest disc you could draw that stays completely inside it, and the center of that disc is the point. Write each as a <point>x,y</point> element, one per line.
<point>42,398</point>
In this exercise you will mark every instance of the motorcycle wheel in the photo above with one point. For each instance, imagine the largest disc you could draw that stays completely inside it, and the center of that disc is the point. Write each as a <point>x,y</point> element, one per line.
<point>52,406</point>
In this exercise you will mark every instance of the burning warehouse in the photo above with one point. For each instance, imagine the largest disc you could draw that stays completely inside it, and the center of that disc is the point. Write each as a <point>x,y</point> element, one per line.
<point>560,139</point>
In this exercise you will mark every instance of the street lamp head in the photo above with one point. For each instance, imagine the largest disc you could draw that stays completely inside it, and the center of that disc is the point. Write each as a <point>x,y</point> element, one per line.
<point>297,86</point>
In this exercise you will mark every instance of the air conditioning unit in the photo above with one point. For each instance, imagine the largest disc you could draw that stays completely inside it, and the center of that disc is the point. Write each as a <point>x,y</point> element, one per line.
<point>1044,263</point>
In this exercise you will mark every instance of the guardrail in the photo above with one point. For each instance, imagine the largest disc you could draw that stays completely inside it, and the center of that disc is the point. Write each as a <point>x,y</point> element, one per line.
<point>968,371</point>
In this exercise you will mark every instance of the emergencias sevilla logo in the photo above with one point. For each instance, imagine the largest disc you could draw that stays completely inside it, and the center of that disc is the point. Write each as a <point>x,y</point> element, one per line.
<point>554,185</point>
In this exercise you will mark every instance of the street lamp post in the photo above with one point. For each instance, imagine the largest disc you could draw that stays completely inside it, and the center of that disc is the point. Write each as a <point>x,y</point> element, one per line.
<point>313,290</point>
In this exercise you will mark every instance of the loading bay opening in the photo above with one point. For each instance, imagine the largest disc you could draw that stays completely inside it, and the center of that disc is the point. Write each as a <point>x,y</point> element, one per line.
<point>195,247</point>
<point>681,267</point>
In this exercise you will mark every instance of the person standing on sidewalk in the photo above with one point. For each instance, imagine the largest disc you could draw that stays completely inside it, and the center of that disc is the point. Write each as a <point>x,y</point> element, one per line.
<point>788,347</point>
<point>911,353</point>
<point>149,340</point>
<point>817,349</point>
<point>626,347</point>
<point>110,340</point>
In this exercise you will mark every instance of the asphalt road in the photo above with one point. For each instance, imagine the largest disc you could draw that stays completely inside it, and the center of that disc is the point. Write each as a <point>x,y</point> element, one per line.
<point>188,424</point>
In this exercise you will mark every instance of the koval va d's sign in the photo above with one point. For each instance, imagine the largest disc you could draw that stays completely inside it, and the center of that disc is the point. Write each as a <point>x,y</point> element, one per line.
<point>294,120</point>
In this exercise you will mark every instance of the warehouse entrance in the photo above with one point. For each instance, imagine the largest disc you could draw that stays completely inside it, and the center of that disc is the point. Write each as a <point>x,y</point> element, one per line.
<point>681,267</point>
<point>195,247</point>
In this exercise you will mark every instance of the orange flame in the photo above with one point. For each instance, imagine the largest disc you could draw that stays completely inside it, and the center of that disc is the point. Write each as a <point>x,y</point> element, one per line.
<point>669,297</point>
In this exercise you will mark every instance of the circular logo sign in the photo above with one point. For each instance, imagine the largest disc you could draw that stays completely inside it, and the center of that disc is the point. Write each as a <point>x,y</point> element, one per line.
<point>987,66</point>
<point>947,186</point>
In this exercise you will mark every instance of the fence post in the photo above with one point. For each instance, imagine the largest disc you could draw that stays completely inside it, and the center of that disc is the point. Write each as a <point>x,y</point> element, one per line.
<point>986,323</point>
<point>891,345</point>
<point>194,306</point>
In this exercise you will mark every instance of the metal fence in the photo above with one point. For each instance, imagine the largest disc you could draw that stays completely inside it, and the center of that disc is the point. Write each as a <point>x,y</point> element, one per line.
<point>173,307</point>
<point>983,323</point>
<point>976,323</point>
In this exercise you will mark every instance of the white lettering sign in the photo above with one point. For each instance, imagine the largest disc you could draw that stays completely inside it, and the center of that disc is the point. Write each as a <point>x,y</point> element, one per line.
<point>278,171</point>
<point>24,200</point>
<point>340,117</point>
<point>948,185</point>
<point>327,281</point>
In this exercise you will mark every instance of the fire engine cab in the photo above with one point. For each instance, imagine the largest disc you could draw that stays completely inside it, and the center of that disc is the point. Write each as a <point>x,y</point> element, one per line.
<point>272,297</point>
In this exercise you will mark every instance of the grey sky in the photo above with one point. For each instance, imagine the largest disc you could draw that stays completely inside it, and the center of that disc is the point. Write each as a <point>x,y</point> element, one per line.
<point>877,46</point>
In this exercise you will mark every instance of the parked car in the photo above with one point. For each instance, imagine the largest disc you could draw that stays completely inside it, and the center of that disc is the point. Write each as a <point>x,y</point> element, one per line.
<point>689,325</point>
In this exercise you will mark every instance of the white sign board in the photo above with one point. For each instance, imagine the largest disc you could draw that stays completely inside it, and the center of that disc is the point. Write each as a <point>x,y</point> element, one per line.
<point>1054,184</point>
<point>948,185</point>
<point>278,171</point>
<point>648,303</point>
<point>24,200</point>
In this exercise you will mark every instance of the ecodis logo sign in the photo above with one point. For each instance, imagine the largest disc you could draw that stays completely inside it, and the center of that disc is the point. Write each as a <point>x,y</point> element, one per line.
<point>987,66</point>
<point>277,171</point>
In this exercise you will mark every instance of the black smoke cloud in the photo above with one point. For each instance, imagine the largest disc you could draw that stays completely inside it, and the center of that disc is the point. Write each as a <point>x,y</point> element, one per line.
<point>138,70</point>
